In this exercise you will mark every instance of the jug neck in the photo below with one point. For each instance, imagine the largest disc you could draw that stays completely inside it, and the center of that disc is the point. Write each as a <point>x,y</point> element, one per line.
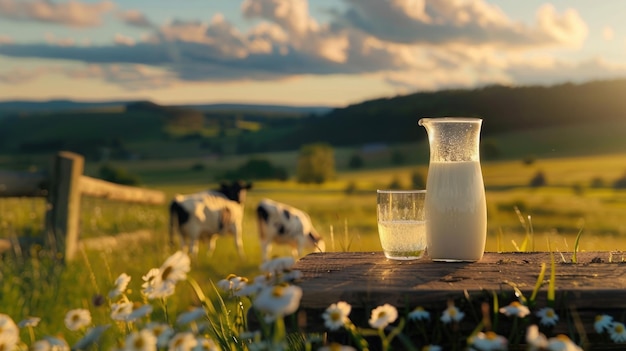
<point>453,139</point>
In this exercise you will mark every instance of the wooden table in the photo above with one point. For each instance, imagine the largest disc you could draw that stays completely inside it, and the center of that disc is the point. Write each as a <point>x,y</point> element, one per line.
<point>596,284</point>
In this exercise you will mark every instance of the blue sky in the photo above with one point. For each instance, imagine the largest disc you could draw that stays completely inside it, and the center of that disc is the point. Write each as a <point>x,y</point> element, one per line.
<point>300,52</point>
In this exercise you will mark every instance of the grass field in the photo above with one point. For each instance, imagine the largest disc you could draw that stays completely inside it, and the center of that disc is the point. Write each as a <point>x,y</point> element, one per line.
<point>555,213</point>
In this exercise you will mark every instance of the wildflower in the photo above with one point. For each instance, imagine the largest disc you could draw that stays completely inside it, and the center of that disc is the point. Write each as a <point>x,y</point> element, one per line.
<point>278,265</point>
<point>175,267</point>
<point>278,301</point>
<point>232,283</point>
<point>419,314</point>
<point>515,309</point>
<point>452,314</point>
<point>77,319</point>
<point>432,348</point>
<point>184,341</point>
<point>336,347</point>
<point>143,340</point>
<point>190,316</point>
<point>562,343</point>
<point>121,283</point>
<point>29,322</point>
<point>548,316</point>
<point>383,316</point>
<point>154,287</point>
<point>50,344</point>
<point>139,311</point>
<point>205,344</point>
<point>121,311</point>
<point>163,333</point>
<point>336,315</point>
<point>602,323</point>
<point>489,341</point>
<point>617,331</point>
<point>251,289</point>
<point>91,337</point>
<point>535,339</point>
<point>9,333</point>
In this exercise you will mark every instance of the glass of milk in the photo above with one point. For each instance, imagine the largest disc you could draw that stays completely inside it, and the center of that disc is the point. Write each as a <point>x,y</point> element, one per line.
<point>401,226</point>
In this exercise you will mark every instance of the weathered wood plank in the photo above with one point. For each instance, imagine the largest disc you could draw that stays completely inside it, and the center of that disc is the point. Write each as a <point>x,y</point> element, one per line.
<point>594,285</point>
<point>103,189</point>
<point>26,184</point>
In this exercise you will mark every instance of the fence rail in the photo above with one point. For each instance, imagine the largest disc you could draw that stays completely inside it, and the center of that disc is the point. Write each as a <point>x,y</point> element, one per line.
<point>63,189</point>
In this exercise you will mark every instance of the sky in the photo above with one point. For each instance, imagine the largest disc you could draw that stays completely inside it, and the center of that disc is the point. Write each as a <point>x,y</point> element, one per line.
<point>300,52</point>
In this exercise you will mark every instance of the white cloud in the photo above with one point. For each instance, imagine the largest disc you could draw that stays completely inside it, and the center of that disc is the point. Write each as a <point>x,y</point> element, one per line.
<point>134,18</point>
<point>71,13</point>
<point>5,39</point>
<point>120,39</point>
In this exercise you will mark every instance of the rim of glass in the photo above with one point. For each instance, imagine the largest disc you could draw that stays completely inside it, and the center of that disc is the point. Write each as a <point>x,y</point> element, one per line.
<point>451,119</point>
<point>390,191</point>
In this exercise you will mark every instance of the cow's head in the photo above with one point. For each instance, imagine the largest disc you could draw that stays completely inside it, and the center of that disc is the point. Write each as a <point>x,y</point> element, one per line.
<point>236,190</point>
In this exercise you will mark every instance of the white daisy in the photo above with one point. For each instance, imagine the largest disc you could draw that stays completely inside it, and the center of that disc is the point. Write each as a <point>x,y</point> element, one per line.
<point>232,283</point>
<point>176,267</point>
<point>535,339</point>
<point>562,343</point>
<point>617,331</point>
<point>121,283</point>
<point>278,265</point>
<point>602,323</point>
<point>452,314</point>
<point>9,333</point>
<point>548,316</point>
<point>489,341</point>
<point>162,331</point>
<point>50,344</point>
<point>29,322</point>
<point>252,289</point>
<point>515,309</point>
<point>91,337</point>
<point>188,317</point>
<point>277,301</point>
<point>382,316</point>
<point>205,344</point>
<point>139,311</point>
<point>77,319</point>
<point>154,287</point>
<point>419,314</point>
<point>121,311</point>
<point>336,315</point>
<point>336,347</point>
<point>184,341</point>
<point>143,340</point>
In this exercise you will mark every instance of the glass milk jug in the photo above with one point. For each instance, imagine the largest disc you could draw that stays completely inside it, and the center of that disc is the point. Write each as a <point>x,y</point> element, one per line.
<point>455,205</point>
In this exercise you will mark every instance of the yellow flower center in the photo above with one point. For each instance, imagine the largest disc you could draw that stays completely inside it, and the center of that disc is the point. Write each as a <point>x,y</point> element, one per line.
<point>230,276</point>
<point>452,312</point>
<point>419,309</point>
<point>563,337</point>
<point>75,318</point>
<point>166,272</point>
<point>382,314</point>
<point>138,344</point>
<point>598,318</point>
<point>335,315</point>
<point>618,328</point>
<point>278,291</point>
<point>335,346</point>
<point>550,313</point>
<point>491,335</point>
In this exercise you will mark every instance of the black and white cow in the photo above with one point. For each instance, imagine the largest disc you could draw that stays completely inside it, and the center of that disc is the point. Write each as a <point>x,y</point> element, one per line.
<point>283,224</point>
<point>209,214</point>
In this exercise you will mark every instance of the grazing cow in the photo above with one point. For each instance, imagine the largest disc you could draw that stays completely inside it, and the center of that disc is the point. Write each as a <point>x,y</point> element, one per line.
<point>283,224</point>
<point>209,214</point>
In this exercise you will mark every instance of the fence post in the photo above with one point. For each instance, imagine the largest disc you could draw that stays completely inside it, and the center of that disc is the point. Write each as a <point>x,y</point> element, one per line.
<point>63,207</point>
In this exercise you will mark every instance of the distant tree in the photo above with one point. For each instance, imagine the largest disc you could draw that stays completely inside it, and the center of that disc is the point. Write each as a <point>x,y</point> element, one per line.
<point>117,175</point>
<point>489,149</point>
<point>620,183</point>
<point>529,160</point>
<point>316,163</point>
<point>356,161</point>
<point>395,184</point>
<point>197,167</point>
<point>538,180</point>
<point>351,188</point>
<point>398,158</point>
<point>257,168</point>
<point>597,182</point>
<point>418,181</point>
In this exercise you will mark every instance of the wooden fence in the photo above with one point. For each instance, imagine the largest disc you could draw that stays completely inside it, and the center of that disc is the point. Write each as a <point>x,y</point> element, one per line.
<point>63,189</point>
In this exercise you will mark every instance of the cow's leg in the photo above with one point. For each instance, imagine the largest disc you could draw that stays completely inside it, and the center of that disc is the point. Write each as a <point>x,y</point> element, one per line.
<point>239,242</point>
<point>266,248</point>
<point>212,243</point>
